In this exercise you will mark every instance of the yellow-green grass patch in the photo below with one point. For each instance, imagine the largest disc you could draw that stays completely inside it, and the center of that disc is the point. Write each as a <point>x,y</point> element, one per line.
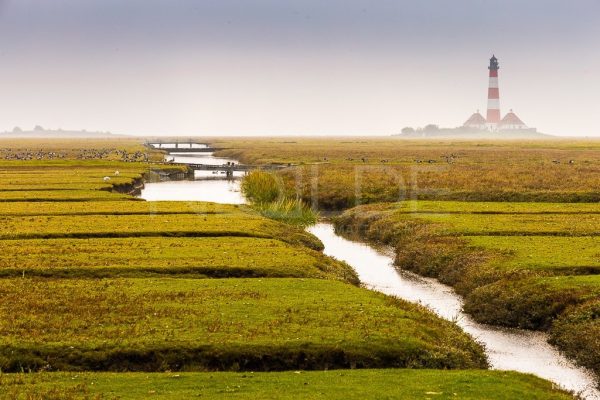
<point>117,208</point>
<point>554,255</point>
<point>580,224</point>
<point>491,207</point>
<point>186,225</point>
<point>219,324</point>
<point>180,257</point>
<point>60,195</point>
<point>338,384</point>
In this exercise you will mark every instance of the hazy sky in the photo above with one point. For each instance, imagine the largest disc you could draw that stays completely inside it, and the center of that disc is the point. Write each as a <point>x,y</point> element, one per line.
<point>295,66</point>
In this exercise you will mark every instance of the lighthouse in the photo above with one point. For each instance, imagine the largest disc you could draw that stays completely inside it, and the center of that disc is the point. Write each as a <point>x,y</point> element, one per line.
<point>493,109</point>
<point>492,122</point>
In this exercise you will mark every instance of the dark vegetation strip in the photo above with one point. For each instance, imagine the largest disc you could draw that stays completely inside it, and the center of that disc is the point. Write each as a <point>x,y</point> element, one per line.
<point>268,357</point>
<point>196,272</point>
<point>576,332</point>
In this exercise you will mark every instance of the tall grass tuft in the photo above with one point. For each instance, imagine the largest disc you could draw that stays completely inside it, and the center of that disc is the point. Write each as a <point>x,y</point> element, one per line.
<point>265,192</point>
<point>291,211</point>
<point>261,187</point>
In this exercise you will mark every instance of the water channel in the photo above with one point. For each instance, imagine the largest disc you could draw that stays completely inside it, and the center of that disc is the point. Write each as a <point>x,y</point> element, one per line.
<point>506,349</point>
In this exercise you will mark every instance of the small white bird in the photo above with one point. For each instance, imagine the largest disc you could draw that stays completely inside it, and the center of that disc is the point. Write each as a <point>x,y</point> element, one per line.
<point>106,178</point>
<point>117,173</point>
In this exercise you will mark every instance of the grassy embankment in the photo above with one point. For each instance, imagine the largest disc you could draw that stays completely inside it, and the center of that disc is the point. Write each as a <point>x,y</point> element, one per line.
<point>529,265</point>
<point>349,384</point>
<point>219,324</point>
<point>57,314</point>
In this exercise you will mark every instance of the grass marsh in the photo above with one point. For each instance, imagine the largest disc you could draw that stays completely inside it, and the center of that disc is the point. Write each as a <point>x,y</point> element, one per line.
<point>122,311</point>
<point>181,257</point>
<point>345,172</point>
<point>219,324</point>
<point>352,384</point>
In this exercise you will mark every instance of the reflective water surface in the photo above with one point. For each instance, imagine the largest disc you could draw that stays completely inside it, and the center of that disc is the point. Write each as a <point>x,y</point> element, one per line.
<point>207,186</point>
<point>217,191</point>
<point>506,349</point>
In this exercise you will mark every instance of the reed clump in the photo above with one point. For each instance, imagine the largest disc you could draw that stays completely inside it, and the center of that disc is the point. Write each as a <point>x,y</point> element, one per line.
<point>261,187</point>
<point>265,192</point>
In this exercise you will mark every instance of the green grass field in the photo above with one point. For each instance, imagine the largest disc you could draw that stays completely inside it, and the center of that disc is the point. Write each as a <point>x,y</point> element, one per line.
<point>70,179</point>
<point>192,257</point>
<point>59,195</point>
<point>473,207</point>
<point>218,223</point>
<point>133,206</point>
<point>219,324</point>
<point>542,254</point>
<point>349,384</point>
<point>565,224</point>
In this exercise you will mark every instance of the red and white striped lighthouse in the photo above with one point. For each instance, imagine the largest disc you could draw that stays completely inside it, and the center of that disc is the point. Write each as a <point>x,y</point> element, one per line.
<point>493,110</point>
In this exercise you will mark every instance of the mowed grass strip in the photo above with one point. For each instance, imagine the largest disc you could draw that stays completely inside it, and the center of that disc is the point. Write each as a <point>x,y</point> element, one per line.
<point>483,219</point>
<point>543,255</point>
<point>580,224</point>
<point>60,195</point>
<point>78,178</point>
<point>240,224</point>
<point>182,257</point>
<point>71,180</point>
<point>47,173</point>
<point>350,384</point>
<point>474,207</point>
<point>117,208</point>
<point>219,324</point>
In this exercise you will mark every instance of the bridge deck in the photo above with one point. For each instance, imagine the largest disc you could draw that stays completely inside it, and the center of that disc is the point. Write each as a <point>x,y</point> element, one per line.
<point>186,149</point>
<point>223,167</point>
<point>230,167</point>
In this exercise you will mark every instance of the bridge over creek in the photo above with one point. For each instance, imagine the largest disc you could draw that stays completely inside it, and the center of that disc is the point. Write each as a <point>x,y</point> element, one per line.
<point>230,168</point>
<point>191,146</point>
<point>177,146</point>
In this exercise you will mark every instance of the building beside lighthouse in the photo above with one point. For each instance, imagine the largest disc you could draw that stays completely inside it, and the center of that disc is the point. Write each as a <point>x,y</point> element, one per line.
<point>493,120</point>
<point>511,122</point>
<point>476,121</point>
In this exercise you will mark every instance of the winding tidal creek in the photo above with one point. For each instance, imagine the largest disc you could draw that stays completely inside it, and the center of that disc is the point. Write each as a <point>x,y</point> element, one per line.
<point>506,349</point>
